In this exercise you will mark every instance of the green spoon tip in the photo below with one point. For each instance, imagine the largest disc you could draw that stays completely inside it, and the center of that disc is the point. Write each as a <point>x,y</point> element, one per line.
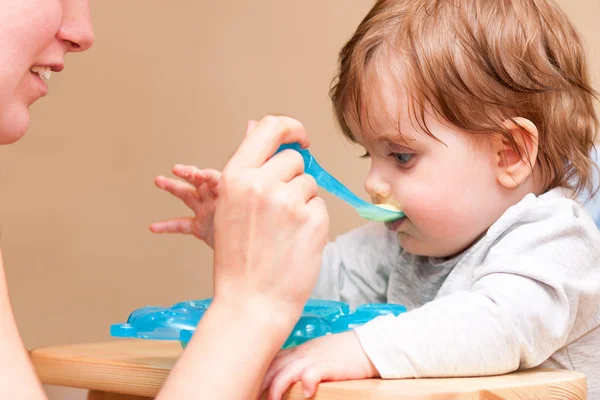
<point>380,213</point>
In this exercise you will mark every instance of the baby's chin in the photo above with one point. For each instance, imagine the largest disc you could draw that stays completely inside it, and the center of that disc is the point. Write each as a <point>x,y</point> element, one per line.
<point>411,244</point>
<point>427,248</point>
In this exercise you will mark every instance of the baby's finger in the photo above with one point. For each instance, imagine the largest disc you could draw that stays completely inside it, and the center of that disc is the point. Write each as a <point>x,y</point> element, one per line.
<point>186,172</point>
<point>182,190</point>
<point>291,374</point>
<point>197,176</point>
<point>176,225</point>
<point>317,373</point>
<point>278,363</point>
<point>211,178</point>
<point>176,188</point>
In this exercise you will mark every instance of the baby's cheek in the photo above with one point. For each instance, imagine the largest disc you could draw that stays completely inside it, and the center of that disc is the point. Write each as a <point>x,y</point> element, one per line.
<point>426,210</point>
<point>439,219</point>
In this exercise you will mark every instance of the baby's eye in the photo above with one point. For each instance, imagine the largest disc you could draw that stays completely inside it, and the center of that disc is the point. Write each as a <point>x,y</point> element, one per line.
<point>402,158</point>
<point>366,155</point>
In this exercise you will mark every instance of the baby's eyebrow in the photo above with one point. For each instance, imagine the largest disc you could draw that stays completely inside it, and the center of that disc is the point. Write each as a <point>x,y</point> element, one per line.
<point>397,137</point>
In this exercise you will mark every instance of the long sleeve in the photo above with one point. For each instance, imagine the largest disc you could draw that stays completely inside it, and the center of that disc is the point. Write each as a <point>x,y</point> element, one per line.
<point>356,266</point>
<point>536,290</point>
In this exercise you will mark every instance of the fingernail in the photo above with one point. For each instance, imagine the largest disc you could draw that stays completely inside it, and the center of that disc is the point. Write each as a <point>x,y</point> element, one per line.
<point>251,125</point>
<point>307,394</point>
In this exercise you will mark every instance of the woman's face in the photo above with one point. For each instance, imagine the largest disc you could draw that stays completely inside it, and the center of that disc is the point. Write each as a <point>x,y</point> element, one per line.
<point>35,35</point>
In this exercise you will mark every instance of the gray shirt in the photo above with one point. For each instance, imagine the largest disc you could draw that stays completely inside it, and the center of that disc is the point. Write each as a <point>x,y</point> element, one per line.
<point>526,294</point>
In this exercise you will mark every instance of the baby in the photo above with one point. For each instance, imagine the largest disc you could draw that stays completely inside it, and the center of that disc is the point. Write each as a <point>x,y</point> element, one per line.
<point>478,117</point>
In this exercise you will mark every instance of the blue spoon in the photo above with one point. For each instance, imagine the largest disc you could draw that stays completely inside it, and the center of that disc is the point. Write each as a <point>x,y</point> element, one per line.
<point>326,181</point>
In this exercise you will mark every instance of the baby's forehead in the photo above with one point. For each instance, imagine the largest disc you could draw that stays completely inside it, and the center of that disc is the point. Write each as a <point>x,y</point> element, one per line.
<point>376,133</point>
<point>383,116</point>
<point>382,105</point>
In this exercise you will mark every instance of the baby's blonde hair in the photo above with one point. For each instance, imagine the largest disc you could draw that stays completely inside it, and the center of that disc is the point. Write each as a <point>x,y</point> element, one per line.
<point>477,64</point>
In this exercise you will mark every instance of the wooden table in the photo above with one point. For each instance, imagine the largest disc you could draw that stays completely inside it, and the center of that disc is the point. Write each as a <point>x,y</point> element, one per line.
<point>136,369</point>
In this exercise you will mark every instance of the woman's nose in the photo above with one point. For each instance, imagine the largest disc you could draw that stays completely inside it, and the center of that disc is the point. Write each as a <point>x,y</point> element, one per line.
<point>76,29</point>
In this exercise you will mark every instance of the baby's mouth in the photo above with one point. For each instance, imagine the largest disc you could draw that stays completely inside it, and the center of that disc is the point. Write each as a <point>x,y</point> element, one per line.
<point>395,225</point>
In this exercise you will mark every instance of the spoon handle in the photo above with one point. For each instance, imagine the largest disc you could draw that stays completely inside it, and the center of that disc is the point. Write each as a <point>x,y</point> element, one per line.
<point>328,182</point>
<point>325,179</point>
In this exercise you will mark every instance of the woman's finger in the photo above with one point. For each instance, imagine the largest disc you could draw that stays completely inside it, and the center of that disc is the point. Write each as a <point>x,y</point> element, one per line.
<point>250,126</point>
<point>284,166</point>
<point>264,140</point>
<point>304,187</point>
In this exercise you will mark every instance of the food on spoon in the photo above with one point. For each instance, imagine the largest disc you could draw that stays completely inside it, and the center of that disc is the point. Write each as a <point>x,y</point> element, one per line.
<point>389,207</point>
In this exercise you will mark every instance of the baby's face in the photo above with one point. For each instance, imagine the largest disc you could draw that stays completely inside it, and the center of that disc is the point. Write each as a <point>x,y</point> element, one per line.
<point>447,188</point>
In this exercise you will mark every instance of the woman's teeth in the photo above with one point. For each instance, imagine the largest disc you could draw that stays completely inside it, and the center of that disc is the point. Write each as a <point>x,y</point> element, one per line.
<point>43,72</point>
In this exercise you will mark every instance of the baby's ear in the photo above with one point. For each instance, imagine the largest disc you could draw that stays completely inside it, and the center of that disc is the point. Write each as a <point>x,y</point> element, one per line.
<point>514,167</point>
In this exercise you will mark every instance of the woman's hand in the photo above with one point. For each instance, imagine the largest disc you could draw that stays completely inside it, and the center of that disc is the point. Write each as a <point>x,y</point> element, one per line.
<point>270,229</point>
<point>270,226</point>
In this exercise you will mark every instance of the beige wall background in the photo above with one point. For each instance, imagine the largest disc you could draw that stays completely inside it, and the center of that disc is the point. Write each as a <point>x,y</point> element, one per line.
<point>164,84</point>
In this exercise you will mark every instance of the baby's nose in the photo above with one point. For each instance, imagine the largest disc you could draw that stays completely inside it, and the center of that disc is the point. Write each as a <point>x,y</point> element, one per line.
<point>378,189</point>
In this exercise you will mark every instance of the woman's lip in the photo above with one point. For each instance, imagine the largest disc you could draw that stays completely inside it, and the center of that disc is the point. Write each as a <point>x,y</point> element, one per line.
<point>395,225</point>
<point>40,83</point>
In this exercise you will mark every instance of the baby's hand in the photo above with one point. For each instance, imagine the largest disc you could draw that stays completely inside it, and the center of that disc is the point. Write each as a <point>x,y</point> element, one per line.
<point>199,193</point>
<point>330,358</point>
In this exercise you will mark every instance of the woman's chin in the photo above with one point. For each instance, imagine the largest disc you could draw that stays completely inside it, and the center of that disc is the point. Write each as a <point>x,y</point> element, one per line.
<point>13,128</point>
